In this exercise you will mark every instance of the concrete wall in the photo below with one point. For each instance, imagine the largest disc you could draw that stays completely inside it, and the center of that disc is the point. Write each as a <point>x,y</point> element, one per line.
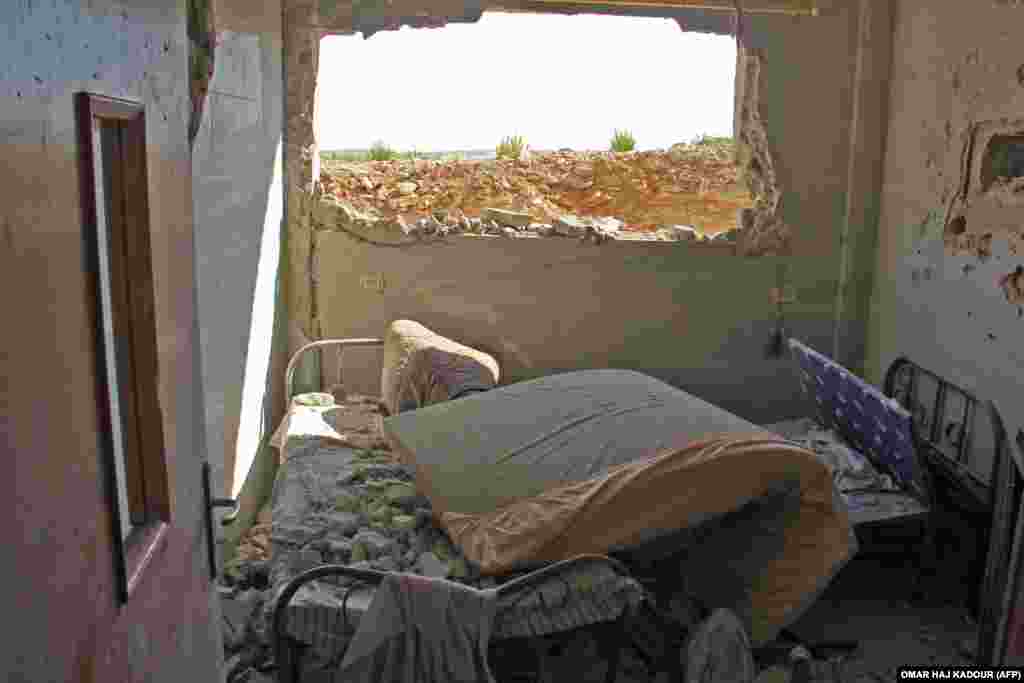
<point>697,318</point>
<point>238,198</point>
<point>64,622</point>
<point>954,66</point>
<point>684,314</point>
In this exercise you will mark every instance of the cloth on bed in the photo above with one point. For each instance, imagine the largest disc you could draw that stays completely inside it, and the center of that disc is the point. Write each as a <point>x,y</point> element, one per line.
<point>601,460</point>
<point>870,495</point>
<point>422,630</point>
<point>851,470</point>
<point>421,368</point>
<point>355,422</point>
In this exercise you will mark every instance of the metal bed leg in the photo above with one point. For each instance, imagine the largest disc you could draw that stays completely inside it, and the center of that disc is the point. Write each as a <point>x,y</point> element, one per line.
<point>537,647</point>
<point>610,637</point>
<point>926,559</point>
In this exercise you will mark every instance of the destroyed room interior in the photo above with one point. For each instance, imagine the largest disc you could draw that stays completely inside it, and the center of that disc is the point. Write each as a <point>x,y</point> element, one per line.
<point>287,402</point>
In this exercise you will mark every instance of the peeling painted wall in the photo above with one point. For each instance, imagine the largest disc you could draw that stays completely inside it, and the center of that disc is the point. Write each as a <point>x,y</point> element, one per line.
<point>948,297</point>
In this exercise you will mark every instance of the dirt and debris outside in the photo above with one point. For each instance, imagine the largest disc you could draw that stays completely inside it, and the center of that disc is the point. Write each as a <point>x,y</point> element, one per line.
<point>697,186</point>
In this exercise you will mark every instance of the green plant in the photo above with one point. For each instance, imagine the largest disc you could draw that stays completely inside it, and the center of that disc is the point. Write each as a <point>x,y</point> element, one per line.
<point>511,147</point>
<point>343,155</point>
<point>381,152</point>
<point>713,140</point>
<point>623,141</point>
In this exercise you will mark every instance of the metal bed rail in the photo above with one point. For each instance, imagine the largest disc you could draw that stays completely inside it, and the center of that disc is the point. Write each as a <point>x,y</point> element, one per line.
<point>613,636</point>
<point>342,344</point>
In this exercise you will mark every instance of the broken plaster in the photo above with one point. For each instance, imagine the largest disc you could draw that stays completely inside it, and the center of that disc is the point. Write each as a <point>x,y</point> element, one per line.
<point>1012,285</point>
<point>764,232</point>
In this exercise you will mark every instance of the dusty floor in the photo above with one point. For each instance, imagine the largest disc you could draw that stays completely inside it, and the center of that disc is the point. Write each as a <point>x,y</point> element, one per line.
<point>867,602</point>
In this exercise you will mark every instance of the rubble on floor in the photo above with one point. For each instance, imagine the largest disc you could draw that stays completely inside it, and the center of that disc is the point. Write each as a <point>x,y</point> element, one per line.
<point>693,187</point>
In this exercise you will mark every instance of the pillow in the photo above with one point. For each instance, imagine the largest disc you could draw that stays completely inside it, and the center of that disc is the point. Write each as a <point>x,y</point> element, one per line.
<point>422,368</point>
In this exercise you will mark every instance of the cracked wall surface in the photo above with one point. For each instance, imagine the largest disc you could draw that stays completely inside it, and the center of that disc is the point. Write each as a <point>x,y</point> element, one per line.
<point>951,240</point>
<point>764,231</point>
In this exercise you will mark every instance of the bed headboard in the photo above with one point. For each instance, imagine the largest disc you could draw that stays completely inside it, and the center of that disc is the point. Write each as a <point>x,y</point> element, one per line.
<point>877,426</point>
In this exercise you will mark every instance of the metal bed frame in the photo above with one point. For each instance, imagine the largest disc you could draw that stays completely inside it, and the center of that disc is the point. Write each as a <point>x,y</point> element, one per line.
<point>611,636</point>
<point>658,647</point>
<point>342,344</point>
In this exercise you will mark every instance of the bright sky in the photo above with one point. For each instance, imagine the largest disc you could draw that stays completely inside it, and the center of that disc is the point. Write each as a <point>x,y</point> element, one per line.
<point>559,81</point>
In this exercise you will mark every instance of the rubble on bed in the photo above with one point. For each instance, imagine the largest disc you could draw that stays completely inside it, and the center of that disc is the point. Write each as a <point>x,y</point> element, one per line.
<point>332,503</point>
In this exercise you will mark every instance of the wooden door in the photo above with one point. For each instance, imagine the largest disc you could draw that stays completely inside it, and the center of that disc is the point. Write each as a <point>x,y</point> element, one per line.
<point>107,576</point>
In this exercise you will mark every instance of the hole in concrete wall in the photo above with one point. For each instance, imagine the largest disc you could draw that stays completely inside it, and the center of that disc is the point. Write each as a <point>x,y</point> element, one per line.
<point>1003,163</point>
<point>985,247</point>
<point>424,154</point>
<point>957,226</point>
<point>1012,285</point>
<point>202,42</point>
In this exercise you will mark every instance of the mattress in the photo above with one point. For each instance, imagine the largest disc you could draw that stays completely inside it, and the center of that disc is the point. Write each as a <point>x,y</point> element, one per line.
<point>490,449</point>
<point>604,460</point>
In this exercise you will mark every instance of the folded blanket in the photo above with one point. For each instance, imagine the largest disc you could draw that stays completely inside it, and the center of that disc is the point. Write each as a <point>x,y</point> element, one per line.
<point>422,630</point>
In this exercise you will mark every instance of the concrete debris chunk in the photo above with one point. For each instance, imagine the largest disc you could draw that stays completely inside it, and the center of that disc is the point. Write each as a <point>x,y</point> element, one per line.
<point>339,551</point>
<point>429,565</point>
<point>375,543</point>
<point>404,522</point>
<point>512,219</point>
<point>343,523</point>
<point>681,233</point>
<point>384,564</point>
<point>570,226</point>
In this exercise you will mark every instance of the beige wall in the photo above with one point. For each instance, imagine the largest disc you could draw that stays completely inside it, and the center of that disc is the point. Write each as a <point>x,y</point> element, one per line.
<point>697,318</point>
<point>684,314</point>
<point>954,65</point>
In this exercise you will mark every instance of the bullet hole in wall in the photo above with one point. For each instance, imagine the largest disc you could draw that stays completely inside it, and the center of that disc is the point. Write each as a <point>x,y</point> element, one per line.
<point>985,247</point>
<point>1020,74</point>
<point>957,226</point>
<point>1003,160</point>
<point>990,336</point>
<point>1012,285</point>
